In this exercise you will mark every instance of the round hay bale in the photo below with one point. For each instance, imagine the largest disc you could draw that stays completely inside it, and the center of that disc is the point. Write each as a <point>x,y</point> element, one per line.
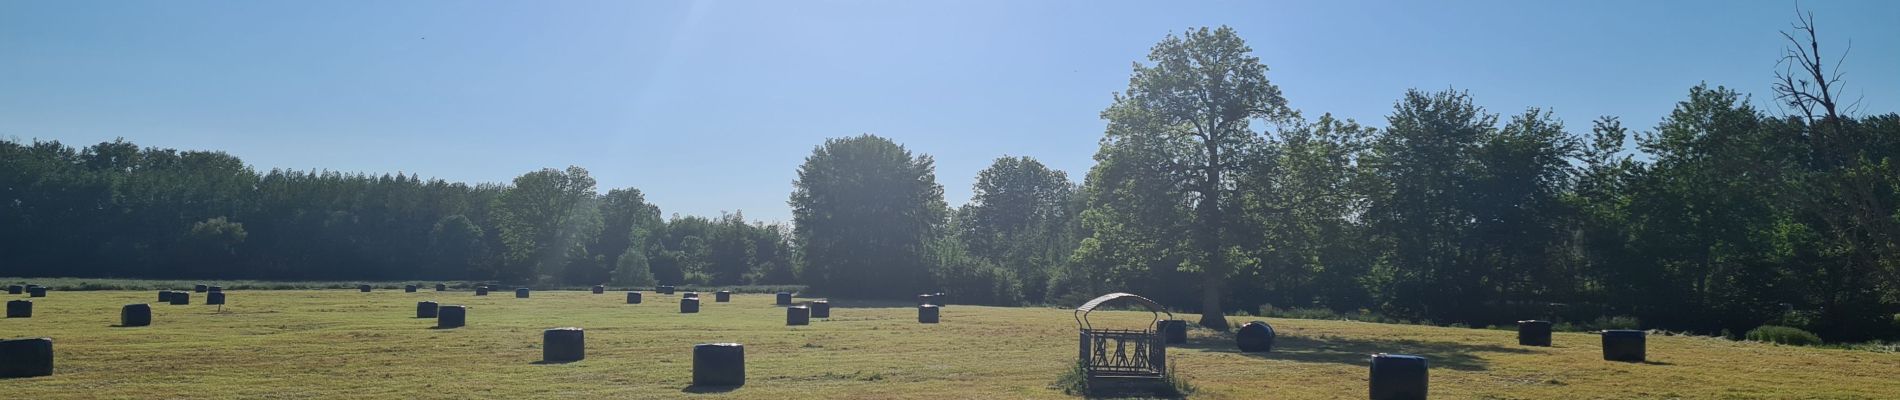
<point>200,288</point>
<point>440,287</point>
<point>1533,333</point>
<point>481,291</point>
<point>563,345</point>
<point>16,289</point>
<point>719,364</point>
<point>784,299</point>
<point>821,309</point>
<point>927,313</point>
<point>690,295</point>
<point>723,296</point>
<point>663,290</point>
<point>409,288</point>
<point>633,297</point>
<point>1174,331</point>
<point>1398,376</point>
<point>22,358</point>
<point>214,298</point>
<point>521,293</point>
<point>20,309</point>
<point>426,309</point>
<point>451,316</point>
<point>1625,345</point>
<point>689,306</point>
<point>797,315</point>
<point>135,315</point>
<point>217,289</point>
<point>181,298</point>
<point>36,291</point>
<point>598,289</point>
<point>164,296</point>
<point>1255,337</point>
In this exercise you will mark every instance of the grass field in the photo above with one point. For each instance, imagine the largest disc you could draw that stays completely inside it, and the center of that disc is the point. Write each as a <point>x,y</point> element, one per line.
<point>344,344</point>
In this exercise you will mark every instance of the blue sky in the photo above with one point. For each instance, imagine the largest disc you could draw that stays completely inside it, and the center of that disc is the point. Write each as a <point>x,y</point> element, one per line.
<point>711,106</point>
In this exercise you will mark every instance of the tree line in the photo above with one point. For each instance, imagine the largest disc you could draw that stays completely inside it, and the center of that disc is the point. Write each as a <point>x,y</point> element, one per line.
<point>1210,193</point>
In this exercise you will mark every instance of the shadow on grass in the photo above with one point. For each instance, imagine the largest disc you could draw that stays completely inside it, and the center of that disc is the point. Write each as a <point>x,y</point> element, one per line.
<point>547,362</point>
<point>864,303</point>
<point>439,327</point>
<point>1450,355</point>
<point>710,389</point>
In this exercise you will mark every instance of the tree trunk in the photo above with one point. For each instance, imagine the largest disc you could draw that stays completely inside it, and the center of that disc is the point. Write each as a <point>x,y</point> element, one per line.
<point>1208,238</point>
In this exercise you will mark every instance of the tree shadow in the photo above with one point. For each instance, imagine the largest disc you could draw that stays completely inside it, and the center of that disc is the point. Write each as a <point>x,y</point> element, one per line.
<point>864,303</point>
<point>1451,355</point>
<point>710,389</point>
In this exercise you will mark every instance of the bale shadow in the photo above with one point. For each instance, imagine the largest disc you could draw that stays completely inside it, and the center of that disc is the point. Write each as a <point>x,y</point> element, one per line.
<point>439,327</point>
<point>704,389</point>
<point>1450,355</point>
<point>546,362</point>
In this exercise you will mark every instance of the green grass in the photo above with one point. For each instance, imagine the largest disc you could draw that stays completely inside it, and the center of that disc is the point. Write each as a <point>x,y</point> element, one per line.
<point>344,344</point>
<point>85,284</point>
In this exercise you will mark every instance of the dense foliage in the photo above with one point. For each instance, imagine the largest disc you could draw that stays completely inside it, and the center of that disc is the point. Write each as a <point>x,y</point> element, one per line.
<point>1209,194</point>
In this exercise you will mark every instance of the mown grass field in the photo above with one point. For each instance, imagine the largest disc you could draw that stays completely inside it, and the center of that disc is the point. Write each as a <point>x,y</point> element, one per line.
<point>344,344</point>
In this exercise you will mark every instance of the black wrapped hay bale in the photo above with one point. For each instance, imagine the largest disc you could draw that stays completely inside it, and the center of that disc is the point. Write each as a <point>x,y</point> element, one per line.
<point>439,287</point>
<point>481,291</point>
<point>1255,337</point>
<point>426,309</point>
<point>663,290</point>
<point>36,291</point>
<point>1533,333</point>
<point>723,296</point>
<point>1625,345</point>
<point>200,288</point>
<point>784,299</point>
<point>362,288</point>
<point>16,289</point>
<point>22,358</point>
<point>451,316</point>
<point>797,315</point>
<point>409,288</point>
<point>521,293</point>
<point>1398,376</point>
<point>19,309</point>
<point>690,295</point>
<point>164,296</point>
<point>217,289</point>
<point>563,345</point>
<point>633,297</point>
<point>1173,331</point>
<point>821,309</point>
<point>598,289</point>
<point>689,306</point>
<point>214,299</point>
<point>927,313</point>
<point>719,364</point>
<point>135,315</point>
<point>181,298</point>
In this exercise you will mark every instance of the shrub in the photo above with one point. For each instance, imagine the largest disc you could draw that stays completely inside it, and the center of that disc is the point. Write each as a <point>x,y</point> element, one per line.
<point>1617,322</point>
<point>1783,335</point>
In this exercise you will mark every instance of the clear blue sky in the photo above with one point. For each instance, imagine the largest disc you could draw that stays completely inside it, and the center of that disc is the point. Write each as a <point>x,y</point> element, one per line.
<point>711,106</point>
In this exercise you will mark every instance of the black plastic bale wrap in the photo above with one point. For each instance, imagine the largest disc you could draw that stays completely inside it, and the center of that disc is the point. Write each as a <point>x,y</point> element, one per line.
<point>451,316</point>
<point>16,289</point>
<point>1398,376</point>
<point>426,309</point>
<point>723,296</point>
<point>135,315</point>
<point>22,358</point>
<point>719,364</point>
<point>409,288</point>
<point>362,288</point>
<point>1255,337</point>
<point>598,289</point>
<point>1533,333</point>
<point>797,315</point>
<point>214,298</point>
<point>783,299</point>
<point>36,291</point>
<point>663,290</point>
<point>689,306</point>
<point>19,309</point>
<point>1625,345</point>
<point>164,296</point>
<point>181,298</point>
<point>1174,331</point>
<point>440,287</point>
<point>633,297</point>
<point>521,293</point>
<point>563,345</point>
<point>821,309</point>
<point>689,295</point>
<point>217,289</point>
<point>200,288</point>
<point>928,314</point>
<point>481,291</point>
